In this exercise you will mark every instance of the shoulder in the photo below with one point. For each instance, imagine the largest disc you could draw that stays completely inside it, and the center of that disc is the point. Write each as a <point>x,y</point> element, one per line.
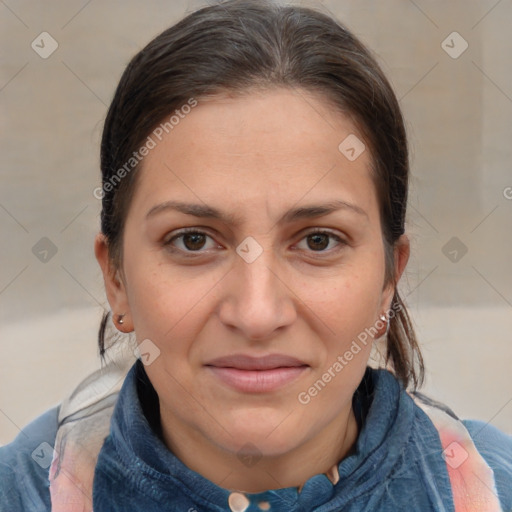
<point>495,446</point>
<point>25,463</point>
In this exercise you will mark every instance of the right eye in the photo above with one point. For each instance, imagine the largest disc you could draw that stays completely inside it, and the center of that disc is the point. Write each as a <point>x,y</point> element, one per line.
<point>191,240</point>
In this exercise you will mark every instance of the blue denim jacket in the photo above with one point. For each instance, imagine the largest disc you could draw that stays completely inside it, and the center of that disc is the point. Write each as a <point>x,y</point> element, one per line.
<point>396,465</point>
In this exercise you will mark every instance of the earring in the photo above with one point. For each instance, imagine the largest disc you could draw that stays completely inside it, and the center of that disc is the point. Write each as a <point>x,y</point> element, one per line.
<point>385,319</point>
<point>120,319</point>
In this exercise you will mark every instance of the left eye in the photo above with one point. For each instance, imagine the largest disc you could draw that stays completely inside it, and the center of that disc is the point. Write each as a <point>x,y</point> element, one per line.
<point>318,241</point>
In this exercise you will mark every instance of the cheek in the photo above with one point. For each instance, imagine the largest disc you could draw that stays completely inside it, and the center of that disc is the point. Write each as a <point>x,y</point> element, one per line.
<point>164,303</point>
<point>161,311</point>
<point>350,300</point>
<point>350,310</point>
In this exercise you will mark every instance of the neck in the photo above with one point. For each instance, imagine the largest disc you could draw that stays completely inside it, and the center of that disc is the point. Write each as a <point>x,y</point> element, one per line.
<point>255,473</point>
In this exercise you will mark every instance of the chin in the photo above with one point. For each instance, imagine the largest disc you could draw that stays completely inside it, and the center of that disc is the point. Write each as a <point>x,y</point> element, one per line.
<point>264,434</point>
<point>258,446</point>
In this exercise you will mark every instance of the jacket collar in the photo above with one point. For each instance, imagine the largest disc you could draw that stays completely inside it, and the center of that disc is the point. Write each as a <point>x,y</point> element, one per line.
<point>384,415</point>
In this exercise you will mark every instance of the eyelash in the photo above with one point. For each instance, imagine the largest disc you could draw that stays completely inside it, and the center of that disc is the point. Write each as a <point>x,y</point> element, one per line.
<point>187,231</point>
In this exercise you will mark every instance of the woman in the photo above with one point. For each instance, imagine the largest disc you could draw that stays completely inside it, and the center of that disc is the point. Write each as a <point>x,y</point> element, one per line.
<point>255,174</point>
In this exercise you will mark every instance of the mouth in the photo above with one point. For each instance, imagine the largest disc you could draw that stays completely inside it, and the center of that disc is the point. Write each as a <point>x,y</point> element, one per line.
<point>250,374</point>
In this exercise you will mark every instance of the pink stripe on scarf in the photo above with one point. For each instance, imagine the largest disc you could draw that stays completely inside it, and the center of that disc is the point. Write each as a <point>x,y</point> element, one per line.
<point>472,480</point>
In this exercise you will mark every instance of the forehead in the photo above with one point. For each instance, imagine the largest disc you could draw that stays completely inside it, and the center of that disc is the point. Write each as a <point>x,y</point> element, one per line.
<point>275,146</point>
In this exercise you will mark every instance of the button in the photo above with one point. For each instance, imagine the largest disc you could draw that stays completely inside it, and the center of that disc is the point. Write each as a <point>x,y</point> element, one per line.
<point>264,505</point>
<point>238,502</point>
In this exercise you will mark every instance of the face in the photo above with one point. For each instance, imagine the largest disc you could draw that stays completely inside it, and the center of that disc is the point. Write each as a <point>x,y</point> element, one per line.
<point>280,269</point>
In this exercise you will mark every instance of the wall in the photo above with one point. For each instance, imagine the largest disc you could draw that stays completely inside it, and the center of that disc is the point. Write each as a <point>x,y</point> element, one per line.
<point>459,119</point>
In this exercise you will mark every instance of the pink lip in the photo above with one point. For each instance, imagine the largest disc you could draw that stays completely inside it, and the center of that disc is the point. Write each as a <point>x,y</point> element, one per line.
<point>257,374</point>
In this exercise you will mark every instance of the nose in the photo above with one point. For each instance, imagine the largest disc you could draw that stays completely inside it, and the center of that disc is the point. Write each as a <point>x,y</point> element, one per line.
<point>258,300</point>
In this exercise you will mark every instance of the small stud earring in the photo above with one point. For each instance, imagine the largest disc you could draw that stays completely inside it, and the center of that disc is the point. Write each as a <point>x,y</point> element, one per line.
<point>120,319</point>
<point>385,319</point>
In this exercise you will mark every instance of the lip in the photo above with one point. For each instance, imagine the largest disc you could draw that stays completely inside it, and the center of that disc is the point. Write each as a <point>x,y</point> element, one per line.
<point>251,374</point>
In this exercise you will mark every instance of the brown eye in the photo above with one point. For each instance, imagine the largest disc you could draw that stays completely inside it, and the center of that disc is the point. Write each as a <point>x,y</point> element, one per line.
<point>194,241</point>
<point>189,241</point>
<point>320,241</point>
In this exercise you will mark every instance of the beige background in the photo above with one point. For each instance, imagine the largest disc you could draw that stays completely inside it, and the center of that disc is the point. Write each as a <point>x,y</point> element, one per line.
<point>459,118</point>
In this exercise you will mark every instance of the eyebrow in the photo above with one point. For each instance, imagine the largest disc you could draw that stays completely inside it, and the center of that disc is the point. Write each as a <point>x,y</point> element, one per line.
<point>209,212</point>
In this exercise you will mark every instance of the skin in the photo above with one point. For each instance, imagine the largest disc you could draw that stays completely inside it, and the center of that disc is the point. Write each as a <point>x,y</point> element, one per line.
<point>256,156</point>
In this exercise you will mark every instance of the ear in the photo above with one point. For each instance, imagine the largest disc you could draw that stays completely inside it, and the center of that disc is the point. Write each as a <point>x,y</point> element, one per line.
<point>114,286</point>
<point>401,251</point>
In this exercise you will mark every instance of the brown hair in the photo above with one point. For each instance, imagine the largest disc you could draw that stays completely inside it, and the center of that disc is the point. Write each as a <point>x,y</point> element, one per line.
<point>236,46</point>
